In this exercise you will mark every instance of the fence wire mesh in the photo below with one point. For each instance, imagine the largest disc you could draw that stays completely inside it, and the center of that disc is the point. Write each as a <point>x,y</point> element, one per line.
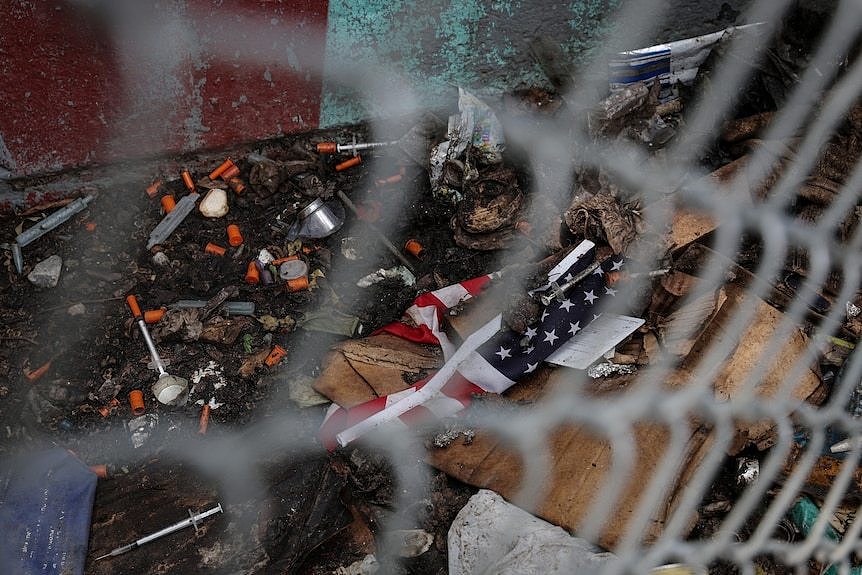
<point>753,332</point>
<point>761,376</point>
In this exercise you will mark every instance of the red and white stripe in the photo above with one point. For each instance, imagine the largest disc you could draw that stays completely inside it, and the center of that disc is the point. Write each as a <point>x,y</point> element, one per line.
<point>428,310</point>
<point>427,313</point>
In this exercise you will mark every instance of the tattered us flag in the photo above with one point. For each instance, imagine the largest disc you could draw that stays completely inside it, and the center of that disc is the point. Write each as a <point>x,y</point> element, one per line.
<point>491,360</point>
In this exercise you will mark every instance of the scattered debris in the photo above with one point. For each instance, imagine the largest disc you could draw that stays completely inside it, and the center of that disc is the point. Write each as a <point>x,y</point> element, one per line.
<point>285,260</point>
<point>490,535</point>
<point>398,273</point>
<point>46,274</point>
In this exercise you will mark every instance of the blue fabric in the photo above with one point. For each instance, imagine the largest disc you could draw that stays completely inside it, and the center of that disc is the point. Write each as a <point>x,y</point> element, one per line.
<point>46,501</point>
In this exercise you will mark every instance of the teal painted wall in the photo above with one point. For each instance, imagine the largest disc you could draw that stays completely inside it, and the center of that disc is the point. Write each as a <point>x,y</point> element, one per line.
<point>405,53</point>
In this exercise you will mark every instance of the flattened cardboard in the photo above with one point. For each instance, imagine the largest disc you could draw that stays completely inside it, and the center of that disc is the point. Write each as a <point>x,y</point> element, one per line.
<point>580,467</point>
<point>390,351</point>
<point>340,382</point>
<point>747,353</point>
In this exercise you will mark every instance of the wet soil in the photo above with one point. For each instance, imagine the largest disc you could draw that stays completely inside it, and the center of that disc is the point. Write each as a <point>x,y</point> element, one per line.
<point>98,355</point>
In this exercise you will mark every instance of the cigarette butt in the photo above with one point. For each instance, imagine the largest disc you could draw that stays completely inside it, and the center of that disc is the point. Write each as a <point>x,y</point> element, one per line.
<point>187,180</point>
<point>275,355</point>
<point>297,284</point>
<point>415,249</point>
<point>91,227</point>
<point>136,401</point>
<point>204,420</point>
<point>236,185</point>
<point>354,161</point>
<point>154,315</point>
<point>252,276</point>
<point>231,172</point>
<point>327,148</point>
<point>35,374</point>
<point>168,203</point>
<point>223,167</point>
<point>234,236</point>
<point>100,470</point>
<point>153,189</point>
<point>214,249</point>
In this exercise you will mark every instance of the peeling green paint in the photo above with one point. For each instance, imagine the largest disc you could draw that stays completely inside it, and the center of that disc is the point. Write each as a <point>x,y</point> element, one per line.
<point>437,45</point>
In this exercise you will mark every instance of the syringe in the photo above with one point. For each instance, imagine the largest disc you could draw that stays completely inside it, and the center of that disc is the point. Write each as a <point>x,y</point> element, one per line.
<point>192,520</point>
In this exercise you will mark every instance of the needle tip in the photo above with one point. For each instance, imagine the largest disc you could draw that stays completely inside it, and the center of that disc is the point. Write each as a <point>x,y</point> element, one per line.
<point>103,556</point>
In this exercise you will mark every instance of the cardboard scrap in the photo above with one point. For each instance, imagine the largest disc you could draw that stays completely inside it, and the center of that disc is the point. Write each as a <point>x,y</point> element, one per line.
<point>581,464</point>
<point>682,328</point>
<point>356,371</point>
<point>746,354</point>
<point>389,351</point>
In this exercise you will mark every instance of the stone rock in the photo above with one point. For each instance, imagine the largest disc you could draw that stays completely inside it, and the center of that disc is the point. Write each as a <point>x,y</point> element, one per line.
<point>77,309</point>
<point>46,273</point>
<point>214,204</point>
<point>161,259</point>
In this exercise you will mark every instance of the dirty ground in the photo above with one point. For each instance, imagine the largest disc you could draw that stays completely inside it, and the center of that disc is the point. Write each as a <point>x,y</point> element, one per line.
<point>290,506</point>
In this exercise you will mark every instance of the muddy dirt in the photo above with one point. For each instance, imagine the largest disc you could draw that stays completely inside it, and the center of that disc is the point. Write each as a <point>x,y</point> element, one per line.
<point>98,354</point>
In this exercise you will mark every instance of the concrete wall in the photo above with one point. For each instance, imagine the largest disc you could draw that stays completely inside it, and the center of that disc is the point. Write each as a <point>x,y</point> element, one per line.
<point>89,81</point>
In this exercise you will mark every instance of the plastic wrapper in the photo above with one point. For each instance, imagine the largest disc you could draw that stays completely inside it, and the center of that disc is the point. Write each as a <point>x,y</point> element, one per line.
<point>475,126</point>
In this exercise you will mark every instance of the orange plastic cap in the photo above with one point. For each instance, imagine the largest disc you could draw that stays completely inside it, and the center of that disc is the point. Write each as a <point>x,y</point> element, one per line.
<point>100,470</point>
<point>187,180</point>
<point>224,166</point>
<point>38,372</point>
<point>354,161</point>
<point>327,148</point>
<point>275,355</point>
<point>236,185</point>
<point>168,203</point>
<point>91,226</point>
<point>252,275</point>
<point>153,189</point>
<point>297,284</point>
<point>415,249</point>
<point>234,236</point>
<point>287,259</point>
<point>136,401</point>
<point>214,249</point>
<point>231,172</point>
<point>204,421</point>
<point>154,315</point>
<point>132,302</point>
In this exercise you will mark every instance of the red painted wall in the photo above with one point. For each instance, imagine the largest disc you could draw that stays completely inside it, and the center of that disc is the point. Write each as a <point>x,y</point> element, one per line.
<point>124,79</point>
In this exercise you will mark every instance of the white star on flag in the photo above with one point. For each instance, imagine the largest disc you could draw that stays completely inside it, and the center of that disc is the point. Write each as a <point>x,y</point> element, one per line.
<point>484,363</point>
<point>610,292</point>
<point>503,353</point>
